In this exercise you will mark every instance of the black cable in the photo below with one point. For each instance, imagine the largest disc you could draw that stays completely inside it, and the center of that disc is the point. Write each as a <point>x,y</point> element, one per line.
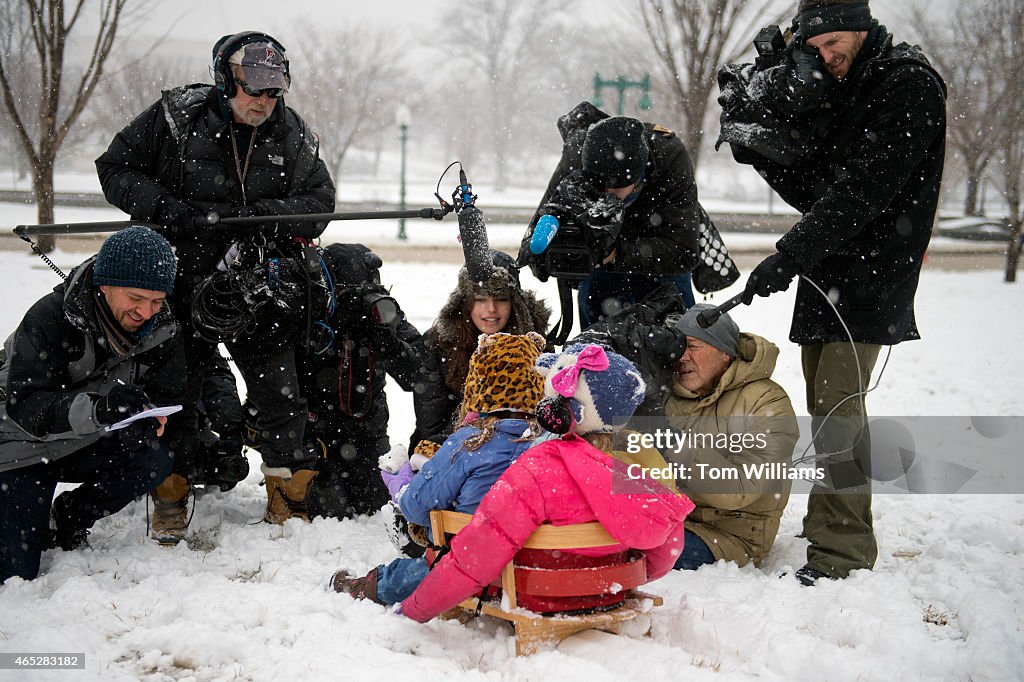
<point>39,252</point>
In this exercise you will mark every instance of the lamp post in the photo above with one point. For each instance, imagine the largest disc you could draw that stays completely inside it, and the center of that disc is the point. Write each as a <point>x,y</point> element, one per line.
<point>402,117</point>
<point>622,84</point>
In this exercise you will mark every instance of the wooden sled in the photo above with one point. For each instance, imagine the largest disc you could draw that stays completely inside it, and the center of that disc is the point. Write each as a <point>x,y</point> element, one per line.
<point>534,631</point>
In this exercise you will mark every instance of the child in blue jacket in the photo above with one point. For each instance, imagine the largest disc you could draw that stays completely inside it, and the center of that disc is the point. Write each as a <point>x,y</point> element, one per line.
<point>500,399</point>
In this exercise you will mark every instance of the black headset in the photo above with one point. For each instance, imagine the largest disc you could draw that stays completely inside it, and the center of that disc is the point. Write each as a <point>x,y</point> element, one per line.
<point>227,46</point>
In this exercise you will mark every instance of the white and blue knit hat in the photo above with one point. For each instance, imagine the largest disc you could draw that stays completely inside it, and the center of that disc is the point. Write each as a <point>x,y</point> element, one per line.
<point>588,389</point>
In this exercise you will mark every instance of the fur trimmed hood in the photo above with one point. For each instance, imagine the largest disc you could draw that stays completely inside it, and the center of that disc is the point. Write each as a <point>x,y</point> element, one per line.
<point>529,314</point>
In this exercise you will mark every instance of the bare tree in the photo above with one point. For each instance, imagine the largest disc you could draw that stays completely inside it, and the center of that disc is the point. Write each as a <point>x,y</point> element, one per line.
<point>349,88</point>
<point>1002,25</point>
<point>975,96</point>
<point>50,27</point>
<point>129,86</point>
<point>509,48</point>
<point>691,39</point>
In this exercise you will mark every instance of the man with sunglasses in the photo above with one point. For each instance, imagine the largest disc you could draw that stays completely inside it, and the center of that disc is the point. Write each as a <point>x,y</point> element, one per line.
<point>207,152</point>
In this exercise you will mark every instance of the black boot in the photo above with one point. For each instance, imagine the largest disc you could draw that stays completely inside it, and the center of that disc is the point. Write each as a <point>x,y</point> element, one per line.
<point>64,533</point>
<point>809,576</point>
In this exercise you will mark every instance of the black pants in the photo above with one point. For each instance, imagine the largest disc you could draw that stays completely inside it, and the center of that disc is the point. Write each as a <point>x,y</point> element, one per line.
<point>111,477</point>
<point>276,406</point>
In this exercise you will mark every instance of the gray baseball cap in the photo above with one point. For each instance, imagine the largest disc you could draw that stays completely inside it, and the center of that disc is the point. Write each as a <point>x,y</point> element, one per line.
<point>263,64</point>
<point>723,334</point>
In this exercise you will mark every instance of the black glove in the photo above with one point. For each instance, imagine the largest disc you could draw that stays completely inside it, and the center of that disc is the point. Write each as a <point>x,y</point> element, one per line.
<point>772,274</point>
<point>139,434</point>
<point>215,215</point>
<point>123,401</point>
<point>806,83</point>
<point>180,219</point>
<point>574,193</point>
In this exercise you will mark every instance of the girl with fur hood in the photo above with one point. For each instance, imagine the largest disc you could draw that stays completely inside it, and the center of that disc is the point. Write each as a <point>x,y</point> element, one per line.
<point>497,305</point>
<point>502,391</point>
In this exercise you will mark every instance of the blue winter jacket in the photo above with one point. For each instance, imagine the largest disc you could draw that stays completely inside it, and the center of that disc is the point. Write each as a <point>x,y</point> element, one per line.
<point>457,478</point>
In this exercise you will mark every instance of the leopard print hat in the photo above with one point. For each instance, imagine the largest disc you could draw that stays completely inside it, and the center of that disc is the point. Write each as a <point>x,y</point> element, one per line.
<point>502,374</point>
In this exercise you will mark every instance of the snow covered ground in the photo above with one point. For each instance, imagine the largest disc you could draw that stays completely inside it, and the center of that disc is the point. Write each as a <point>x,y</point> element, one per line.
<point>244,600</point>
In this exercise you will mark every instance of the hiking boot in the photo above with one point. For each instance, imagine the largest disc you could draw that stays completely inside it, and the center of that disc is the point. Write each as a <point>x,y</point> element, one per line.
<point>809,576</point>
<point>170,510</point>
<point>364,587</point>
<point>286,495</point>
<point>63,532</point>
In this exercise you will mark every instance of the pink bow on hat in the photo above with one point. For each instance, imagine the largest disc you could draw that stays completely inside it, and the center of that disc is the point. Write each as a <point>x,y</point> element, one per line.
<point>566,379</point>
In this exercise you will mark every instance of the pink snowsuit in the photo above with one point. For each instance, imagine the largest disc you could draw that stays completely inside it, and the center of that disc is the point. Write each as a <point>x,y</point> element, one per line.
<point>561,482</point>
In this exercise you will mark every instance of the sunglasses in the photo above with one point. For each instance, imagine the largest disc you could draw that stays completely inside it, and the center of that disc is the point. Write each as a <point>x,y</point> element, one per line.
<point>272,93</point>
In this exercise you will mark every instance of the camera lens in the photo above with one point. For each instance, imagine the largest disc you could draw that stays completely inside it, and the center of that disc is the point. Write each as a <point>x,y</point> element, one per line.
<point>383,309</point>
<point>233,468</point>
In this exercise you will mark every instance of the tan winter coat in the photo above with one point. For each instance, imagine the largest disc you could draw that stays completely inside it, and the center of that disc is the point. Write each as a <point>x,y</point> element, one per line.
<point>737,516</point>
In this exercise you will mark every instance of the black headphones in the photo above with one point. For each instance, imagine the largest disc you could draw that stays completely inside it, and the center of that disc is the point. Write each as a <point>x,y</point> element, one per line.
<point>227,46</point>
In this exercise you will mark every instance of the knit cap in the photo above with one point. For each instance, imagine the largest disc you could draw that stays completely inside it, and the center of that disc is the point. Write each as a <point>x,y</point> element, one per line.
<point>502,375</point>
<point>588,389</point>
<point>724,334</point>
<point>615,152</point>
<point>815,17</point>
<point>136,257</point>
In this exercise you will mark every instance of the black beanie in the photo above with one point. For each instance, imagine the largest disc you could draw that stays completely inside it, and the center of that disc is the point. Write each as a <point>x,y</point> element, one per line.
<point>615,152</point>
<point>815,17</point>
<point>136,257</point>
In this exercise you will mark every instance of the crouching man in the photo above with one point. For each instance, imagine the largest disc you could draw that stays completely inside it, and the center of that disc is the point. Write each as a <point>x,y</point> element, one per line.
<point>714,387</point>
<point>99,348</point>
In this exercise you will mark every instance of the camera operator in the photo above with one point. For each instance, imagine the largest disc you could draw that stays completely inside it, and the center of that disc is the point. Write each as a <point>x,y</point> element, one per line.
<point>624,192</point>
<point>366,338</point>
<point>234,149</point>
<point>866,183</point>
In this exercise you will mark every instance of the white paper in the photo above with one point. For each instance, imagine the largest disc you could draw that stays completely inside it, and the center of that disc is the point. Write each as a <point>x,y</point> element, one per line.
<point>151,412</point>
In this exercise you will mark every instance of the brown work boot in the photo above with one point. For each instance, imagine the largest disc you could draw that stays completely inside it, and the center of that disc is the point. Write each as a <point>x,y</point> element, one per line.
<point>357,588</point>
<point>286,495</point>
<point>170,510</point>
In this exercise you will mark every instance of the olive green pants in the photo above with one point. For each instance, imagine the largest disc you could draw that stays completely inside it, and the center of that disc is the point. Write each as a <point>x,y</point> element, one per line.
<point>838,521</point>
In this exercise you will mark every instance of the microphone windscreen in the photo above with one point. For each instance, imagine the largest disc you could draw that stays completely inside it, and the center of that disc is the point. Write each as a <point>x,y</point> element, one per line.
<point>543,234</point>
<point>475,249</point>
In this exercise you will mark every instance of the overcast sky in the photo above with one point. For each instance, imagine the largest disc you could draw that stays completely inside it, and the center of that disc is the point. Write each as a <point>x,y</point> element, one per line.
<point>184,25</point>
<point>202,18</point>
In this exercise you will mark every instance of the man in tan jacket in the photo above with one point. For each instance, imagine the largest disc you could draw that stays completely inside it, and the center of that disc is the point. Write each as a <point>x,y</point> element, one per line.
<point>739,432</point>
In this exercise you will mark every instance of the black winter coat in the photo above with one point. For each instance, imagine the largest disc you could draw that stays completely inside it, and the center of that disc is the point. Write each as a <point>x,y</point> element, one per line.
<point>181,148</point>
<point>868,196</point>
<point>435,403</point>
<point>660,229</point>
<point>57,363</point>
<point>344,387</point>
<point>643,334</point>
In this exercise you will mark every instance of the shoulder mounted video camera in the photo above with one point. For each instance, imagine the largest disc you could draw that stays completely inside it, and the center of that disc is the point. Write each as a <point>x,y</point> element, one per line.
<point>576,230</point>
<point>560,250</point>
